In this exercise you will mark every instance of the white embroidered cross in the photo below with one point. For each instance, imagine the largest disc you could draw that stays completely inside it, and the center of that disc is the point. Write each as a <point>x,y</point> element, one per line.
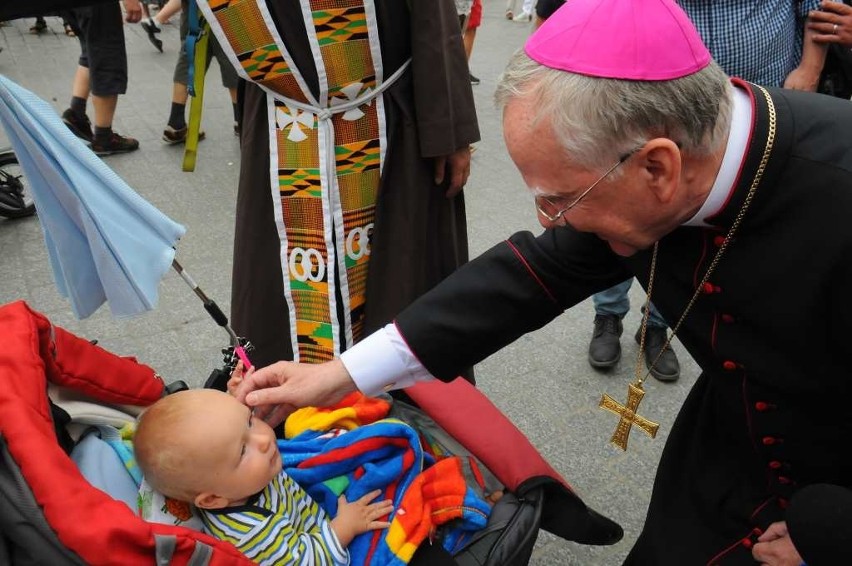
<point>351,91</point>
<point>293,118</point>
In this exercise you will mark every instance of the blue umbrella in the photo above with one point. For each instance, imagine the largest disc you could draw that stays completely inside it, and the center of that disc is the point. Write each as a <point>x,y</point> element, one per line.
<point>105,242</point>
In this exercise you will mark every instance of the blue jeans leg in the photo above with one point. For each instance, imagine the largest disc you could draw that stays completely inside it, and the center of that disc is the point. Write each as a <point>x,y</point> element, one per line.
<point>656,319</point>
<point>613,300</point>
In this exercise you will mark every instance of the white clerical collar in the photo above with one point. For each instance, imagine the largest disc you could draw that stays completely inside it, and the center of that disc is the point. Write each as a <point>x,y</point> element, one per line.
<point>741,118</point>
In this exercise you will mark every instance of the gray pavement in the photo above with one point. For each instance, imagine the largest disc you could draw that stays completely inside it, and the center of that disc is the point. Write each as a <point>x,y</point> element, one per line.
<point>542,382</point>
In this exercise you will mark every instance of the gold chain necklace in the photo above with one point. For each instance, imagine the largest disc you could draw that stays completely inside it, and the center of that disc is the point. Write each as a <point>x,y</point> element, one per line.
<point>635,392</point>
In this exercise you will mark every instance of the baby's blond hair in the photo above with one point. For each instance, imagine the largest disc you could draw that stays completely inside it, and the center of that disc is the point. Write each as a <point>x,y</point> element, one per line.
<point>163,446</point>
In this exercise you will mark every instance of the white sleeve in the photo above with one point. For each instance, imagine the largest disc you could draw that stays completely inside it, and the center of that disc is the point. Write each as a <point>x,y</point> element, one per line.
<point>383,361</point>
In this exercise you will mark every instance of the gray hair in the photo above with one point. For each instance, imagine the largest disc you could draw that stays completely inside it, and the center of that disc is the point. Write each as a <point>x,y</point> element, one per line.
<point>597,119</point>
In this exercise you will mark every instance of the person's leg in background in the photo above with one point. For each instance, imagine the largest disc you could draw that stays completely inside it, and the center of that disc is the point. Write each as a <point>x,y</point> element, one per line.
<point>662,363</point>
<point>153,26</point>
<point>610,307</point>
<point>469,33</point>
<point>176,128</point>
<point>101,73</point>
<point>510,9</point>
<point>526,14</point>
<point>40,25</point>
<point>230,79</point>
<point>75,116</point>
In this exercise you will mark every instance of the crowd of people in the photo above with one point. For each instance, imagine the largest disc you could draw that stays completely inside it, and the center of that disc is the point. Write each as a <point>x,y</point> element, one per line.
<point>676,143</point>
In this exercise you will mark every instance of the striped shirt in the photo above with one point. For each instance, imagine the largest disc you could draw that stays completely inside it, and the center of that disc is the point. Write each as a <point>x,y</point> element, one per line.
<point>281,525</point>
<point>757,40</point>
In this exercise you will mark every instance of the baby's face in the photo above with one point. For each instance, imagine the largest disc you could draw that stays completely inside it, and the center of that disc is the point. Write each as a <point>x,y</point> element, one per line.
<point>240,454</point>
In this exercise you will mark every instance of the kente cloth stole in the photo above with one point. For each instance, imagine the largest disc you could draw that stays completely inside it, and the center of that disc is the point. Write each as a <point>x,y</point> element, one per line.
<point>326,156</point>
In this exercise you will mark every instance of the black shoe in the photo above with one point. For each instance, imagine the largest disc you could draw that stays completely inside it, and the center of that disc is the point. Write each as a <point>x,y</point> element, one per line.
<point>473,80</point>
<point>667,367</point>
<point>39,27</point>
<point>115,143</point>
<point>174,136</point>
<point>605,347</point>
<point>152,30</point>
<point>80,126</point>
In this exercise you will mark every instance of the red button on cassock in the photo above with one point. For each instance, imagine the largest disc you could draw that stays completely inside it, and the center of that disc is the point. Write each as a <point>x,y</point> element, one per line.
<point>718,241</point>
<point>761,406</point>
<point>729,365</point>
<point>747,543</point>
<point>727,319</point>
<point>775,464</point>
<point>708,288</point>
<point>769,440</point>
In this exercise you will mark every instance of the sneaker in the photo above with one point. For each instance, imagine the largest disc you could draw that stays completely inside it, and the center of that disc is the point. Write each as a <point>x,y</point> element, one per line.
<point>174,136</point>
<point>80,126</point>
<point>605,347</point>
<point>667,367</point>
<point>473,80</point>
<point>115,144</point>
<point>237,129</point>
<point>151,29</point>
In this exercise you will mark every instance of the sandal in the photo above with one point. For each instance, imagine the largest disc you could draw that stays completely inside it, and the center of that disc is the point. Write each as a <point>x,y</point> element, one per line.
<point>69,31</point>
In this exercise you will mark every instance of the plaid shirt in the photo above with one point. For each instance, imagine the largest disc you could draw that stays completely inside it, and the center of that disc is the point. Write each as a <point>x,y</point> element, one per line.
<point>757,40</point>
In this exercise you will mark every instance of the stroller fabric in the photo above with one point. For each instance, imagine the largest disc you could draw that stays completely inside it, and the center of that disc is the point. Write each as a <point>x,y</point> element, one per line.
<point>50,514</point>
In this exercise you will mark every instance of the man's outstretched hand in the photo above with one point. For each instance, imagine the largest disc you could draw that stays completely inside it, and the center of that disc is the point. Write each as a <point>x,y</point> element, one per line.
<point>278,390</point>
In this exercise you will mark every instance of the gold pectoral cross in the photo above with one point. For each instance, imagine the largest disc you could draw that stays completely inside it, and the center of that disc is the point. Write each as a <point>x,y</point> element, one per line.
<point>628,415</point>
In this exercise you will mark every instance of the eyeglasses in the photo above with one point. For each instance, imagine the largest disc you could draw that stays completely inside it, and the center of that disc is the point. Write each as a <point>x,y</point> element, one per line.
<point>551,210</point>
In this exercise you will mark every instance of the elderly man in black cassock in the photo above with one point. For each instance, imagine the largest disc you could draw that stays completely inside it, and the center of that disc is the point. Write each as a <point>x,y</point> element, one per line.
<point>730,202</point>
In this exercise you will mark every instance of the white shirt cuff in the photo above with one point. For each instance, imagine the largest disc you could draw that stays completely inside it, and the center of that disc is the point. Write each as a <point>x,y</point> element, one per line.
<point>382,362</point>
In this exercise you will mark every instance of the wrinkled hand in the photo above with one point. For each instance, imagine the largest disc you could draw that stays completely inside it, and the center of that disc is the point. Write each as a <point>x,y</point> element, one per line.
<point>132,11</point>
<point>775,547</point>
<point>802,79</point>
<point>278,390</point>
<point>457,166</point>
<point>823,21</point>
<point>360,516</point>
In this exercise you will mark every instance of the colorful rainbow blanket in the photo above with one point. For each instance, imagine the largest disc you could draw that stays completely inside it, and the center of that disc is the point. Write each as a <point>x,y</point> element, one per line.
<point>350,449</point>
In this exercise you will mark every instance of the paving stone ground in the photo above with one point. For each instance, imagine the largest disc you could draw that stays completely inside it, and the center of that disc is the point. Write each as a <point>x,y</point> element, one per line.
<point>542,382</point>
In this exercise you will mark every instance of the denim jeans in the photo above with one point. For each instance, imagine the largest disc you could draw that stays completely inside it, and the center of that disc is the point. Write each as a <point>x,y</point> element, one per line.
<point>615,301</point>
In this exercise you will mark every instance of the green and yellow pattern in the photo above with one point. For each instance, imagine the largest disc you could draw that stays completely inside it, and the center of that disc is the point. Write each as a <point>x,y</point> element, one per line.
<point>327,161</point>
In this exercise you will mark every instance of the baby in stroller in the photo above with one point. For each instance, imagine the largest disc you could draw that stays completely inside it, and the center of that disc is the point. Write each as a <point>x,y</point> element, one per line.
<point>243,496</point>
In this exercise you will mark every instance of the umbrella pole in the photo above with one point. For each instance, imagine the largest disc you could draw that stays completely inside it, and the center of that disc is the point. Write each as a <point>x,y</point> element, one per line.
<point>210,306</point>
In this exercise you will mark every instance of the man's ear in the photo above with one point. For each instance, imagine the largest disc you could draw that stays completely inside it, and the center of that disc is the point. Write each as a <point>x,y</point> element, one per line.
<point>208,500</point>
<point>661,159</point>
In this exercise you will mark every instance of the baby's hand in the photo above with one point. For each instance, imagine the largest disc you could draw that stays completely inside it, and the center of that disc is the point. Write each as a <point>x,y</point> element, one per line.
<point>237,377</point>
<point>360,516</point>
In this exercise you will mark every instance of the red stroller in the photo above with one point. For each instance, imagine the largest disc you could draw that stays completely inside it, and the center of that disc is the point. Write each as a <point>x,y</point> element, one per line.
<point>49,514</point>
